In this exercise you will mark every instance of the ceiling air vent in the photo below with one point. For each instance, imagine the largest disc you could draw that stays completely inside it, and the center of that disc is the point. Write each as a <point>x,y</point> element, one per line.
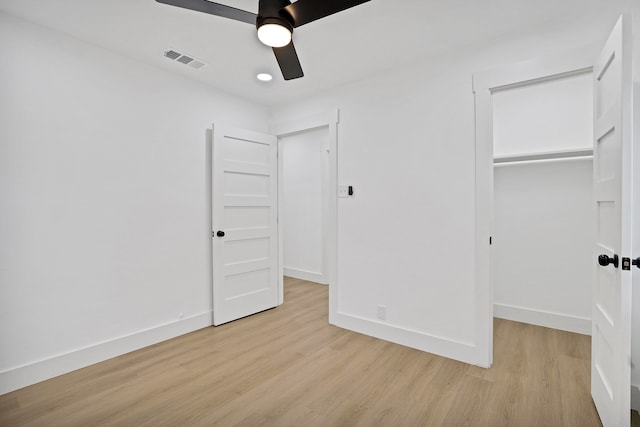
<point>184,59</point>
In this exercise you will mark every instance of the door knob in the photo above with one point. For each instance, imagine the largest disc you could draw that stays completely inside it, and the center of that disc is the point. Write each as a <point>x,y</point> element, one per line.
<point>605,260</point>
<point>221,234</point>
<point>636,262</point>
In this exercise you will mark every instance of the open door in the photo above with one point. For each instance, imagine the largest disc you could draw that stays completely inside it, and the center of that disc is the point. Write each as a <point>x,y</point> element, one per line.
<point>611,330</point>
<point>245,223</point>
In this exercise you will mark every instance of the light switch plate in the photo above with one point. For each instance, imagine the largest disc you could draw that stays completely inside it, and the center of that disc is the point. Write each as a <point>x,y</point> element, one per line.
<point>343,191</point>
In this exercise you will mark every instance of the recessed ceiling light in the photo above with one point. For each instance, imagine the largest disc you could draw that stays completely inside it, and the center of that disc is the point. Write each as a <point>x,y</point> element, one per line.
<point>264,77</point>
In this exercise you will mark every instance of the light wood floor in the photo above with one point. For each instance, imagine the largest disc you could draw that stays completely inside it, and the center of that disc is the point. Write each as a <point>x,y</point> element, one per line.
<point>288,367</point>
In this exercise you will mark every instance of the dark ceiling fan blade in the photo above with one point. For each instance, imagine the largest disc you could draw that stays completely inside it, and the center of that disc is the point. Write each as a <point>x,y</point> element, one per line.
<point>214,9</point>
<point>305,11</point>
<point>288,61</point>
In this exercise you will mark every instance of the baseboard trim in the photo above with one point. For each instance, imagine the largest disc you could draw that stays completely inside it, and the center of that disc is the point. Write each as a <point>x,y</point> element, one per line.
<point>452,349</point>
<point>25,375</point>
<point>563,322</point>
<point>311,276</point>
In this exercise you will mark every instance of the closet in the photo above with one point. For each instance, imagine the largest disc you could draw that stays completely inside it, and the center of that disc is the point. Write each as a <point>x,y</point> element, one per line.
<point>543,213</point>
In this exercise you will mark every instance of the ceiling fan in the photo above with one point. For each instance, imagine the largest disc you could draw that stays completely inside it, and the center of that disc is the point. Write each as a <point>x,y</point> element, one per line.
<point>275,22</point>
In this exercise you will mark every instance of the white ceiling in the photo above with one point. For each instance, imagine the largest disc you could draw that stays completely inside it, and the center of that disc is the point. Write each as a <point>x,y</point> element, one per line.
<point>344,47</point>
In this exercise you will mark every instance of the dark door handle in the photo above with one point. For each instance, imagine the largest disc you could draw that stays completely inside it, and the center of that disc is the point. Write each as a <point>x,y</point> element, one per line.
<point>605,260</point>
<point>636,262</point>
<point>221,234</point>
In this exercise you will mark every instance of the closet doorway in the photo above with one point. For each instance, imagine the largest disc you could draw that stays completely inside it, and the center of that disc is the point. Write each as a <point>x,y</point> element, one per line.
<point>536,104</point>
<point>543,211</point>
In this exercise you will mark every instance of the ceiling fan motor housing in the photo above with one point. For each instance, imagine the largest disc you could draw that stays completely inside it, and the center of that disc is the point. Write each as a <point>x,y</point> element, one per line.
<point>274,20</point>
<point>272,12</point>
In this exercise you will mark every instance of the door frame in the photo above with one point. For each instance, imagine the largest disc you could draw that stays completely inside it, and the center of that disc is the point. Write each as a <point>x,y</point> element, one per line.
<point>484,83</point>
<point>330,120</point>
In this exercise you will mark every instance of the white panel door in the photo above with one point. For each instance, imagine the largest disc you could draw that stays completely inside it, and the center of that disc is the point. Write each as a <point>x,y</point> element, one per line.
<point>611,331</point>
<point>245,223</point>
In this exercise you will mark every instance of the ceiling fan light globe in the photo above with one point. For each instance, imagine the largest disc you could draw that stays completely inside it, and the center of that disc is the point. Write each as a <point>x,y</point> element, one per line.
<point>274,35</point>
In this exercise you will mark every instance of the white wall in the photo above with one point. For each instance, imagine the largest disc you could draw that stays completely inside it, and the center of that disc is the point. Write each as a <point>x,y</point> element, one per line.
<point>302,204</point>
<point>406,144</point>
<point>542,243</point>
<point>105,207</point>
<point>554,115</point>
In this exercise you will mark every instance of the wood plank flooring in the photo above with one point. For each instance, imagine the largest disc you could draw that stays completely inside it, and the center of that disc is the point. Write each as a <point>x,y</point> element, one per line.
<point>288,367</point>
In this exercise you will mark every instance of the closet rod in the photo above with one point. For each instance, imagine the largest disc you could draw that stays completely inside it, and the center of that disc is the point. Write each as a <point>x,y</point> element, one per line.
<point>553,155</point>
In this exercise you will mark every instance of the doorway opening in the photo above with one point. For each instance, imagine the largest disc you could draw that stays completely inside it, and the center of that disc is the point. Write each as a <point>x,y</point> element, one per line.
<point>510,85</point>
<point>542,202</point>
<point>319,129</point>
<point>304,159</point>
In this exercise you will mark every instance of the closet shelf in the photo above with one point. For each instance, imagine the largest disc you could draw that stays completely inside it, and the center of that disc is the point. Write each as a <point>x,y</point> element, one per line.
<point>549,155</point>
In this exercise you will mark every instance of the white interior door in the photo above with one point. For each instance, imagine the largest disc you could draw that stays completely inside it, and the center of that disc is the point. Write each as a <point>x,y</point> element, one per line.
<point>245,223</point>
<point>611,331</point>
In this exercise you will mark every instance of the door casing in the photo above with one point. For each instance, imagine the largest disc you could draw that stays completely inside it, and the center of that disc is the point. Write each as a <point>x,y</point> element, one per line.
<point>569,63</point>
<point>329,120</point>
